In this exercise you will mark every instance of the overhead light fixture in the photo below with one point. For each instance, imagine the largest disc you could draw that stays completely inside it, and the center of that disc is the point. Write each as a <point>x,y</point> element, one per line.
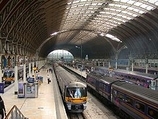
<point>113,37</point>
<point>102,34</point>
<point>55,33</point>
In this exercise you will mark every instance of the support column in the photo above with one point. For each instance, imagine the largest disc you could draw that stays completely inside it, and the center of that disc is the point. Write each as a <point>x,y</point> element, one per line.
<point>146,68</point>
<point>103,63</point>
<point>24,73</point>
<point>30,70</point>
<point>16,80</point>
<point>116,59</point>
<point>116,64</point>
<point>109,64</point>
<point>146,65</point>
<point>33,73</point>
<point>24,69</point>
<point>132,65</point>
<point>0,68</point>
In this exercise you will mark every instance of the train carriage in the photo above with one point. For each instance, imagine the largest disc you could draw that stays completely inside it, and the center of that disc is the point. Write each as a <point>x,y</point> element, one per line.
<point>138,78</point>
<point>137,101</point>
<point>132,101</point>
<point>101,84</point>
<point>74,93</point>
<point>8,76</point>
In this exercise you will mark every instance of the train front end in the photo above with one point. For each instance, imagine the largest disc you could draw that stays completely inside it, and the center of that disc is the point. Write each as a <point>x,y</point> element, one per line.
<point>76,97</point>
<point>8,77</point>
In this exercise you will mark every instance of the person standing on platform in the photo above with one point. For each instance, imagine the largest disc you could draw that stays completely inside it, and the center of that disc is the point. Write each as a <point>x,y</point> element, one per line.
<point>48,79</point>
<point>2,108</point>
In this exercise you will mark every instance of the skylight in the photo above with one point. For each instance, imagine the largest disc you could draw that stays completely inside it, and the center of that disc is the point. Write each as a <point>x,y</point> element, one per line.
<point>113,37</point>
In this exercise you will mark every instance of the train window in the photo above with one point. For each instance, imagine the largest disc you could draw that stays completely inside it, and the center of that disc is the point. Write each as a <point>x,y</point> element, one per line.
<point>129,101</point>
<point>114,93</point>
<point>91,80</point>
<point>153,113</point>
<point>139,106</point>
<point>138,81</point>
<point>120,96</point>
<point>133,78</point>
<point>106,88</point>
<point>141,82</point>
<point>76,92</point>
<point>101,86</point>
<point>129,77</point>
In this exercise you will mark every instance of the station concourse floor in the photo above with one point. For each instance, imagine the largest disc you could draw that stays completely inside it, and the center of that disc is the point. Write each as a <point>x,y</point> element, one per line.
<point>41,107</point>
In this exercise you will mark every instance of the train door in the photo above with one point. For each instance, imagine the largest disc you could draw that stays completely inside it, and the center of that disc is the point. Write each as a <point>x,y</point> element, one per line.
<point>97,85</point>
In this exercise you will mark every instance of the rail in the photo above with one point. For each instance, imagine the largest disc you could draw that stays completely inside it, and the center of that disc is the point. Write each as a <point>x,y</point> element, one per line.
<point>15,113</point>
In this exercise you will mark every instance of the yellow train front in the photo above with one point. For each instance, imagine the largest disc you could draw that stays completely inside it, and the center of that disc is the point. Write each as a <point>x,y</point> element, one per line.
<point>75,97</point>
<point>8,76</point>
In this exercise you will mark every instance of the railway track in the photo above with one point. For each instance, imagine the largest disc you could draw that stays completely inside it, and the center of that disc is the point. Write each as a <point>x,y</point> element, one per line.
<point>76,116</point>
<point>95,107</point>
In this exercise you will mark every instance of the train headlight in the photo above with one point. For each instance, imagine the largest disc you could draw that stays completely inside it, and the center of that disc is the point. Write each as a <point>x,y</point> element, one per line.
<point>4,79</point>
<point>69,106</point>
<point>84,106</point>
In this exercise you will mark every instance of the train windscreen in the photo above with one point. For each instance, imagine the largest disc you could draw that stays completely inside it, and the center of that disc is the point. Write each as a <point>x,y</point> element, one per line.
<point>8,74</point>
<point>76,92</point>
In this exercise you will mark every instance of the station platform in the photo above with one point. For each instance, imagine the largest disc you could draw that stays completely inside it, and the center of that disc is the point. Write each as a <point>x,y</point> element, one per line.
<point>48,104</point>
<point>82,73</point>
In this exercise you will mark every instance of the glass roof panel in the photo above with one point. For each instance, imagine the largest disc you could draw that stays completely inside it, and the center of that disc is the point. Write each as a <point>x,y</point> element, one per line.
<point>98,16</point>
<point>152,1</point>
<point>137,3</point>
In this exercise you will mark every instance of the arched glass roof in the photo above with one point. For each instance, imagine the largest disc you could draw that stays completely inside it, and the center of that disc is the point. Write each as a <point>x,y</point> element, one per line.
<point>101,16</point>
<point>45,25</point>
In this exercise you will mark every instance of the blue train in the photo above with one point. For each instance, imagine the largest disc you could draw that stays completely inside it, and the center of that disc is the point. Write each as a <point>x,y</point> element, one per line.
<point>132,101</point>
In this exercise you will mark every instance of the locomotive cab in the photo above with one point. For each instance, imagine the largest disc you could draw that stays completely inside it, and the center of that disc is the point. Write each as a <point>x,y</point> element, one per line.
<point>76,97</point>
<point>8,76</point>
<point>154,84</point>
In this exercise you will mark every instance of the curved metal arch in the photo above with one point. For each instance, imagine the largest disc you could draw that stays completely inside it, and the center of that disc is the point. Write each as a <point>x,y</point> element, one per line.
<point>146,26</point>
<point>38,35</point>
<point>30,26</point>
<point>22,14</point>
<point>38,50</point>
<point>9,16</point>
<point>127,29</point>
<point>154,27</point>
<point>127,40</point>
<point>22,26</point>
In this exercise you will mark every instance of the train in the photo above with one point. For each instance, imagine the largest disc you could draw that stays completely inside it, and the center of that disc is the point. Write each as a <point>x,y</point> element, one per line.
<point>130,100</point>
<point>74,93</point>
<point>138,78</point>
<point>8,75</point>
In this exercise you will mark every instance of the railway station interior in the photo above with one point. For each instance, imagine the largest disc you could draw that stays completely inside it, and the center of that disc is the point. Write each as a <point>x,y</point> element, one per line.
<point>116,34</point>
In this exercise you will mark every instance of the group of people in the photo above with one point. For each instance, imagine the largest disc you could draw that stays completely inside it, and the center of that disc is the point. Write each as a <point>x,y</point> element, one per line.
<point>2,109</point>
